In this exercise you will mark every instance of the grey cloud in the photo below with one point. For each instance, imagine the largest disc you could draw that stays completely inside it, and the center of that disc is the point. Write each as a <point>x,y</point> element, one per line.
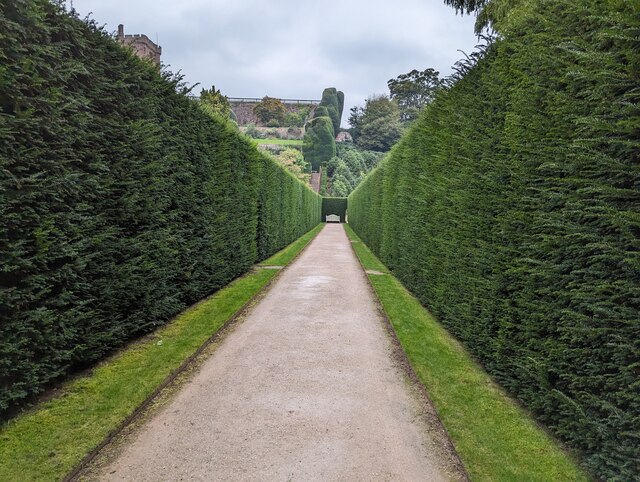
<point>293,48</point>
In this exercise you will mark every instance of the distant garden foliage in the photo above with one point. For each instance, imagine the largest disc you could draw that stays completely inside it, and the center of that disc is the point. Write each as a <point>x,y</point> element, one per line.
<point>413,91</point>
<point>213,102</point>
<point>121,200</point>
<point>377,126</point>
<point>271,111</point>
<point>320,132</point>
<point>511,210</point>
<point>348,167</point>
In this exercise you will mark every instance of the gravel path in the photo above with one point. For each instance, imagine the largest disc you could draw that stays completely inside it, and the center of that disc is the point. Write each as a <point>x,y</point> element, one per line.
<point>307,387</point>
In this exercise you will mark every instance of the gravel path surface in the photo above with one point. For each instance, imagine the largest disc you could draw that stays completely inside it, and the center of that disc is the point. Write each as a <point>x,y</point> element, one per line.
<point>307,387</point>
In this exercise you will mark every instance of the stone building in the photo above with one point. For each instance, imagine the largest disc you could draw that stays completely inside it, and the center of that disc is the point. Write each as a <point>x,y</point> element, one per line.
<point>142,46</point>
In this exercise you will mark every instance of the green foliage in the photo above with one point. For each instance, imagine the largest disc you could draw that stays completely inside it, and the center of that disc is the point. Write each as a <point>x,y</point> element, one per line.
<point>46,443</point>
<point>293,160</point>
<point>213,102</point>
<point>413,91</point>
<point>348,168</point>
<point>280,142</point>
<point>495,438</point>
<point>377,126</point>
<point>334,205</point>
<point>490,14</point>
<point>331,103</point>
<point>320,132</point>
<point>121,201</point>
<point>297,118</point>
<point>321,111</point>
<point>510,209</point>
<point>271,111</point>
<point>253,132</point>
<point>340,95</point>
<point>319,142</point>
<point>323,183</point>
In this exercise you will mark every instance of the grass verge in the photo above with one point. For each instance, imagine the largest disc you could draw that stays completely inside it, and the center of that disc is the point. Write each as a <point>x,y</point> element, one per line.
<point>47,442</point>
<point>280,142</point>
<point>495,438</point>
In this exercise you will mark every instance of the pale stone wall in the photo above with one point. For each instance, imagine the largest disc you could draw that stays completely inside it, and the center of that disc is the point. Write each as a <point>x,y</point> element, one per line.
<point>244,111</point>
<point>142,46</point>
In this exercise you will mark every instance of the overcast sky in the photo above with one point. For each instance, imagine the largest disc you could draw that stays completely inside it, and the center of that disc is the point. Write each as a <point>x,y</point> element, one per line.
<point>294,49</point>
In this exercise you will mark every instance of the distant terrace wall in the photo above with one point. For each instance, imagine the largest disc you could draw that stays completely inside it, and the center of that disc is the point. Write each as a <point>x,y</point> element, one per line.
<point>243,107</point>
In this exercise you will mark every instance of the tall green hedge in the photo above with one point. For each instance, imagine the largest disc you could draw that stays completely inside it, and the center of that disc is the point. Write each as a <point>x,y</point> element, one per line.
<point>334,205</point>
<point>511,209</point>
<point>121,201</point>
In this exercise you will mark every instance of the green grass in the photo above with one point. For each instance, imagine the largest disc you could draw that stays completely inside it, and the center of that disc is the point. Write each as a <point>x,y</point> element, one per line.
<point>495,438</point>
<point>47,442</point>
<point>280,142</point>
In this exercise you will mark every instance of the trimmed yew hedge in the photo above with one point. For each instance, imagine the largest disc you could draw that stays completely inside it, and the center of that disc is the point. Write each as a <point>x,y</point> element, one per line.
<point>510,209</point>
<point>121,202</point>
<point>334,205</point>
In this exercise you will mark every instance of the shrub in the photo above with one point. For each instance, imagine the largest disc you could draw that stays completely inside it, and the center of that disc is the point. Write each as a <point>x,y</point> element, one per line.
<point>270,110</point>
<point>294,133</point>
<point>253,132</point>
<point>272,134</point>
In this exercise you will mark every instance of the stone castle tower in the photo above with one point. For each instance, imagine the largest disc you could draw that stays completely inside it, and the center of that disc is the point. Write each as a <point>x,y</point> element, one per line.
<point>142,46</point>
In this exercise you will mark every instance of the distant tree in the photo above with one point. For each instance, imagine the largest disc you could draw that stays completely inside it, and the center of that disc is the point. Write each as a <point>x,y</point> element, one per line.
<point>377,126</point>
<point>340,186</point>
<point>413,90</point>
<point>270,109</point>
<point>380,134</point>
<point>355,121</point>
<point>213,102</point>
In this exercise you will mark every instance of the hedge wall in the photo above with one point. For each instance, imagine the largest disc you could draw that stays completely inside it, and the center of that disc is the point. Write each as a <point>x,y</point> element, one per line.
<point>511,210</point>
<point>121,202</point>
<point>334,205</point>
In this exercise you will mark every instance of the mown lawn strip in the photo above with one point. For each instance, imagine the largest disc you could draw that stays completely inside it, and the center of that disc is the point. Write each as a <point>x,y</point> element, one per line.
<point>494,437</point>
<point>279,142</point>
